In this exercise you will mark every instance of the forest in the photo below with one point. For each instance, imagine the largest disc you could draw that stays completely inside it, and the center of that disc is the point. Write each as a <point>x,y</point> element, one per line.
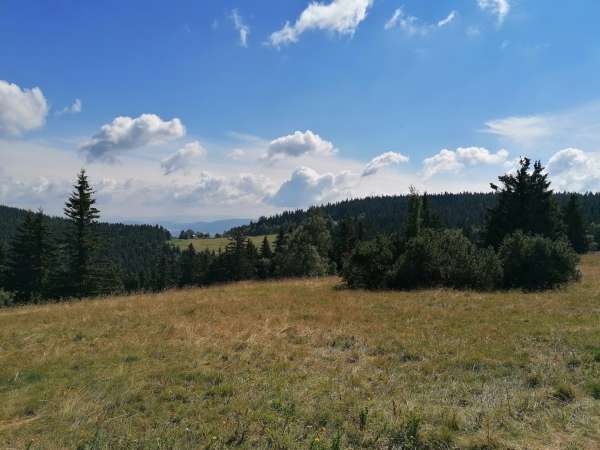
<point>522,235</point>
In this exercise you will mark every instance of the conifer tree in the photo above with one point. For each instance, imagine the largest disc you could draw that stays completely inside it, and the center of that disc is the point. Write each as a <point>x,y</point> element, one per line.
<point>188,266</point>
<point>526,203</point>
<point>414,219</point>
<point>29,259</point>
<point>576,230</point>
<point>265,249</point>
<point>81,239</point>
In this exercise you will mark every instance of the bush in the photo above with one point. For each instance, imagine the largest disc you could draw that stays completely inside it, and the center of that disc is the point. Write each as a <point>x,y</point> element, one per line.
<point>369,265</point>
<point>535,262</point>
<point>6,298</point>
<point>446,258</point>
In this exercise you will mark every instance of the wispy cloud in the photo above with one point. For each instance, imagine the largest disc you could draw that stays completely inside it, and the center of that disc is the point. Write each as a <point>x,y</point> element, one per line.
<point>241,27</point>
<point>411,25</point>
<point>75,108</point>
<point>500,8</point>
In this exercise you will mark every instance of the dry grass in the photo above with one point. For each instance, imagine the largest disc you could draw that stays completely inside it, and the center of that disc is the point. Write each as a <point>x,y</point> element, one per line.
<point>216,244</point>
<point>292,364</point>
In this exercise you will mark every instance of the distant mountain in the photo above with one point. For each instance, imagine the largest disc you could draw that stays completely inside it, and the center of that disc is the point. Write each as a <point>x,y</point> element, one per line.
<point>217,226</point>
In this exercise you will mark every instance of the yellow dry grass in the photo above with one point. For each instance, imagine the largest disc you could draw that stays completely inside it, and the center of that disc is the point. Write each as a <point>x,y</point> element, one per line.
<point>294,363</point>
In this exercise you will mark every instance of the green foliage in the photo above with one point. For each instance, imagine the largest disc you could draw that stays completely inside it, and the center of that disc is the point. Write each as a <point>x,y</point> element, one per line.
<point>414,218</point>
<point>526,203</point>
<point>6,298</point>
<point>535,262</point>
<point>81,241</point>
<point>407,437</point>
<point>369,264</point>
<point>446,258</point>
<point>575,226</point>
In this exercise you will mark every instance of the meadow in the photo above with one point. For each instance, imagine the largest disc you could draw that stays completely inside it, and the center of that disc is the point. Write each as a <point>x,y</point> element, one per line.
<point>216,244</point>
<point>306,364</point>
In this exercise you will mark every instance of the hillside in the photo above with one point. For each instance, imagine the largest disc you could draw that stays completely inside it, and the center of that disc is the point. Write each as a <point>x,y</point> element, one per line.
<point>300,363</point>
<point>382,214</point>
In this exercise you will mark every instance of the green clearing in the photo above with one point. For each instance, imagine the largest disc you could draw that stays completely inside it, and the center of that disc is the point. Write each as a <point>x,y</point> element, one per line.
<point>214,244</point>
<point>305,364</point>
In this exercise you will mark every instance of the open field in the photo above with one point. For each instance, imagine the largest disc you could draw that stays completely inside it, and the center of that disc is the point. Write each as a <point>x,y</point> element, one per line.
<point>304,364</point>
<point>217,243</point>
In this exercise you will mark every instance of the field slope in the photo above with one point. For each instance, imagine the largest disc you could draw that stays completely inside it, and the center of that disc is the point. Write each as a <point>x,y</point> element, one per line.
<point>216,244</point>
<point>299,364</point>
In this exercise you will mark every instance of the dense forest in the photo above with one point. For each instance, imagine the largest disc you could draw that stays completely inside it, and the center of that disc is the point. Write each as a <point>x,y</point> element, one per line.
<point>382,214</point>
<point>522,235</point>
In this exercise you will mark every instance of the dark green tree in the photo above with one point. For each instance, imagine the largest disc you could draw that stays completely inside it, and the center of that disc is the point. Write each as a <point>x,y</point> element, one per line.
<point>81,240</point>
<point>187,266</point>
<point>29,260</point>
<point>574,223</point>
<point>526,203</point>
<point>414,218</point>
<point>265,249</point>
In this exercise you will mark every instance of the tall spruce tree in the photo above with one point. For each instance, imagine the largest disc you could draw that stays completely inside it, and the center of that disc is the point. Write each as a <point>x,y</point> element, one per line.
<point>29,259</point>
<point>526,203</point>
<point>81,241</point>
<point>414,220</point>
<point>576,230</point>
<point>265,249</point>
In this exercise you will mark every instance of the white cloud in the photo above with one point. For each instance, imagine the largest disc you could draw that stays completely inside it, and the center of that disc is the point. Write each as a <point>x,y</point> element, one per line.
<point>500,8</point>
<point>74,108</point>
<point>236,154</point>
<point>182,158</point>
<point>307,187</point>
<point>339,16</point>
<point>241,27</point>
<point>298,144</point>
<point>125,133</point>
<point>383,160</point>
<point>526,129</point>
<point>575,170</point>
<point>412,26</point>
<point>21,109</point>
<point>210,188</point>
<point>454,161</point>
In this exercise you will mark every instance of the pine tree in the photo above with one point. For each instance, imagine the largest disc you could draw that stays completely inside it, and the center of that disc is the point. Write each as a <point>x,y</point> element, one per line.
<point>188,266</point>
<point>526,203</point>
<point>576,230</point>
<point>81,240</point>
<point>29,259</point>
<point>414,219</point>
<point>265,249</point>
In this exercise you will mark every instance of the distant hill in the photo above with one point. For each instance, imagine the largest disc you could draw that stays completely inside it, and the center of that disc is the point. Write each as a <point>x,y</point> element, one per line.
<point>213,227</point>
<point>385,214</point>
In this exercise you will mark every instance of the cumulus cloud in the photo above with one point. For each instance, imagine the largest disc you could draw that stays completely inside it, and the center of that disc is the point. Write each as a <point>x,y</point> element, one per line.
<point>383,160</point>
<point>573,169</point>
<point>307,187</point>
<point>183,158</point>
<point>74,108</point>
<point>339,16</point>
<point>125,133</point>
<point>411,25</point>
<point>454,161</point>
<point>298,144</point>
<point>21,109</point>
<point>211,188</point>
<point>241,27</point>
<point>500,8</point>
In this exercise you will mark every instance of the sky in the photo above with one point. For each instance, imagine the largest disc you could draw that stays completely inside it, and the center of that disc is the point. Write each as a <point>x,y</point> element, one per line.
<point>205,110</point>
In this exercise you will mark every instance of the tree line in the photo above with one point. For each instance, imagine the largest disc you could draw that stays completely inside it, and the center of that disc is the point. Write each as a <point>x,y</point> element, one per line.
<point>529,239</point>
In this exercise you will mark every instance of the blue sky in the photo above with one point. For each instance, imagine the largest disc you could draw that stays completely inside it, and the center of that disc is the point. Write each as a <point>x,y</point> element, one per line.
<point>226,111</point>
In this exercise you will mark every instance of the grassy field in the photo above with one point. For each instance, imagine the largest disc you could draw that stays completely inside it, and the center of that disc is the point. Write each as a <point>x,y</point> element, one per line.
<point>305,364</point>
<point>217,243</point>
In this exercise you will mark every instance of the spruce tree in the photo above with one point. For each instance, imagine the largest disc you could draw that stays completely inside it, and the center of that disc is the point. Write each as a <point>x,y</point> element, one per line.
<point>81,239</point>
<point>187,266</point>
<point>414,218</point>
<point>525,202</point>
<point>265,249</point>
<point>29,259</point>
<point>576,230</point>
